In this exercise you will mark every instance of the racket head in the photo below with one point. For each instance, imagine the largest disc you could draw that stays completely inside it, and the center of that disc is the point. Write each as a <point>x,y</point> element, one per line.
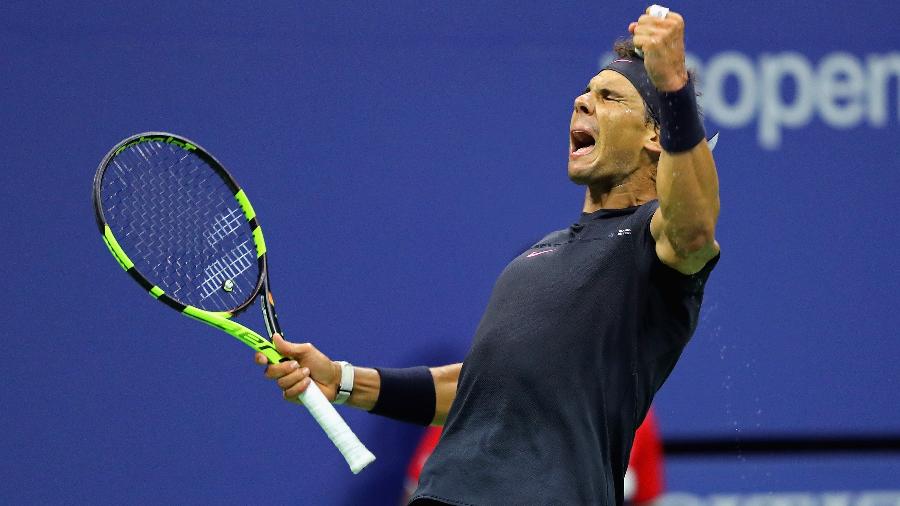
<point>179,224</point>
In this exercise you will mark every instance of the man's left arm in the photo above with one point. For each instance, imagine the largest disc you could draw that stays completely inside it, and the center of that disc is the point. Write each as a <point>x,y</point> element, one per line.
<point>686,182</point>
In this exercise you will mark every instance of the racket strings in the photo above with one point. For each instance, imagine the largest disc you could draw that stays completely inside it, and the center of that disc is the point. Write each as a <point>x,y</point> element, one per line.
<point>180,224</point>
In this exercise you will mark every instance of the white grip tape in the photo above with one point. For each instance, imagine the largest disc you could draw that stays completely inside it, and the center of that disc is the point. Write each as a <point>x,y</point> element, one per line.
<point>656,11</point>
<point>356,454</point>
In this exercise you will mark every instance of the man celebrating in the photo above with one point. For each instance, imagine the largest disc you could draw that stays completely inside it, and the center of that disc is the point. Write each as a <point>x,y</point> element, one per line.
<point>582,329</point>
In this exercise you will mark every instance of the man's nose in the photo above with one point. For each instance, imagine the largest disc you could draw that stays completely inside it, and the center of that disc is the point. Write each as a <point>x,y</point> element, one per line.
<point>583,104</point>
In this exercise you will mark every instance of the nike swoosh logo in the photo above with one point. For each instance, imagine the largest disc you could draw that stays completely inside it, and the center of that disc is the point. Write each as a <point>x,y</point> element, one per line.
<point>713,141</point>
<point>536,253</point>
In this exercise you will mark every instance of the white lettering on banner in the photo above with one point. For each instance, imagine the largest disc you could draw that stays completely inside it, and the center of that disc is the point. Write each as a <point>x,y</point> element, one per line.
<point>843,89</point>
<point>743,109</point>
<point>866,498</point>
<point>881,68</point>
<point>834,89</point>
<point>774,112</point>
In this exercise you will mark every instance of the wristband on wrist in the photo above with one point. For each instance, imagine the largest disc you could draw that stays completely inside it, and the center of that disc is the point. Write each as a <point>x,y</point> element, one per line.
<point>406,394</point>
<point>680,126</point>
<point>346,386</point>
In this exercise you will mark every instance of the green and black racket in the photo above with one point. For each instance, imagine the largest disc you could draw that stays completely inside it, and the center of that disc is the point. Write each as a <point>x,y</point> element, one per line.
<point>180,226</point>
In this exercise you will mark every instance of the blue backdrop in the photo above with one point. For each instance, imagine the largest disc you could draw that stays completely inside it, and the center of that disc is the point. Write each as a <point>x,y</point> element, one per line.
<point>398,156</point>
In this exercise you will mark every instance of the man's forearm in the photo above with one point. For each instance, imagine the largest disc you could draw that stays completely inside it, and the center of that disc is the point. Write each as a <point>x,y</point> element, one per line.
<point>367,386</point>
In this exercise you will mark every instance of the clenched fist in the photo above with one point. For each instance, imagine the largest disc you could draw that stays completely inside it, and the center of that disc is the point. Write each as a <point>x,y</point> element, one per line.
<point>662,41</point>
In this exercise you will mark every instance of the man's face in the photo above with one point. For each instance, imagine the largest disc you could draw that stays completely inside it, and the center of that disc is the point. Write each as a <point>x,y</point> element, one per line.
<point>608,131</point>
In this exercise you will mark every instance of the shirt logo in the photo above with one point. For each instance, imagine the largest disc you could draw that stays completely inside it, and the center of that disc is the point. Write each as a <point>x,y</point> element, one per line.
<point>536,253</point>
<point>620,232</point>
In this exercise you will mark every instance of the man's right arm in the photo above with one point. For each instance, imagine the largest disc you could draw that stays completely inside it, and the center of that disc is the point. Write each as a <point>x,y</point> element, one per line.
<point>309,364</point>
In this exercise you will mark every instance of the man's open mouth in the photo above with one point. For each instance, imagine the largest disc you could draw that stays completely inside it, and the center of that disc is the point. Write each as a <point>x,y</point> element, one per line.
<point>582,142</point>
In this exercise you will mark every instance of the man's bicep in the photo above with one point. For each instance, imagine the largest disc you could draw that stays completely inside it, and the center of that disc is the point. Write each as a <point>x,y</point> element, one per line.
<point>666,253</point>
<point>445,380</point>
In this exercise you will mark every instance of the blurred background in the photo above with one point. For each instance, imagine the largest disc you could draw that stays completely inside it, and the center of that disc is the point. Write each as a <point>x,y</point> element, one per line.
<point>398,155</point>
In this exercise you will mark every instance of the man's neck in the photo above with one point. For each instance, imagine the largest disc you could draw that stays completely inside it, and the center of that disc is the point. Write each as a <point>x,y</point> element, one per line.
<point>639,188</point>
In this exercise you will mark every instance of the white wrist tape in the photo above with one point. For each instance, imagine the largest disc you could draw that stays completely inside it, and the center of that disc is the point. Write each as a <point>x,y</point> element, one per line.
<point>346,387</point>
<point>656,11</point>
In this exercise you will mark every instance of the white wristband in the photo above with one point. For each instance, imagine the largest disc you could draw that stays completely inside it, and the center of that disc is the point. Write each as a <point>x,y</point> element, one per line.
<point>346,387</point>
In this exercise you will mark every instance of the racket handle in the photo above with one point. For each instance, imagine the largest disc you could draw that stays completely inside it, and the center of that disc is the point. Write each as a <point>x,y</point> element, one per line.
<point>356,454</point>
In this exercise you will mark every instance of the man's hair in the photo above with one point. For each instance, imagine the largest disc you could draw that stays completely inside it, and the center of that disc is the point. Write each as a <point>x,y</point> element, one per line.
<point>624,48</point>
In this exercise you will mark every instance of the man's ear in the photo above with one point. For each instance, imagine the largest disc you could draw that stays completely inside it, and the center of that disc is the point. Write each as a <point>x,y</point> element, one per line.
<point>651,142</point>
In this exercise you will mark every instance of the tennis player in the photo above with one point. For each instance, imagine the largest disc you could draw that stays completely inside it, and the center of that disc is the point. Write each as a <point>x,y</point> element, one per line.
<point>582,329</point>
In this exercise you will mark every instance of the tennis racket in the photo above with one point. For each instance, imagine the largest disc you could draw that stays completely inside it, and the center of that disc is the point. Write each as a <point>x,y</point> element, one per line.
<point>180,226</point>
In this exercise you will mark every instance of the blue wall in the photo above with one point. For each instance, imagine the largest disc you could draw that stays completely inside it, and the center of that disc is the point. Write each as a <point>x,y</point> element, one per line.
<point>398,156</point>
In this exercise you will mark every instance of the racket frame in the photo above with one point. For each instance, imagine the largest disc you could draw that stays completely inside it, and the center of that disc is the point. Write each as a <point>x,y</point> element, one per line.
<point>356,454</point>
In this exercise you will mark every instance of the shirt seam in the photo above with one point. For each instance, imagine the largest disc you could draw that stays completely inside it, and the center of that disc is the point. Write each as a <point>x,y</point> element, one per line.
<point>439,498</point>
